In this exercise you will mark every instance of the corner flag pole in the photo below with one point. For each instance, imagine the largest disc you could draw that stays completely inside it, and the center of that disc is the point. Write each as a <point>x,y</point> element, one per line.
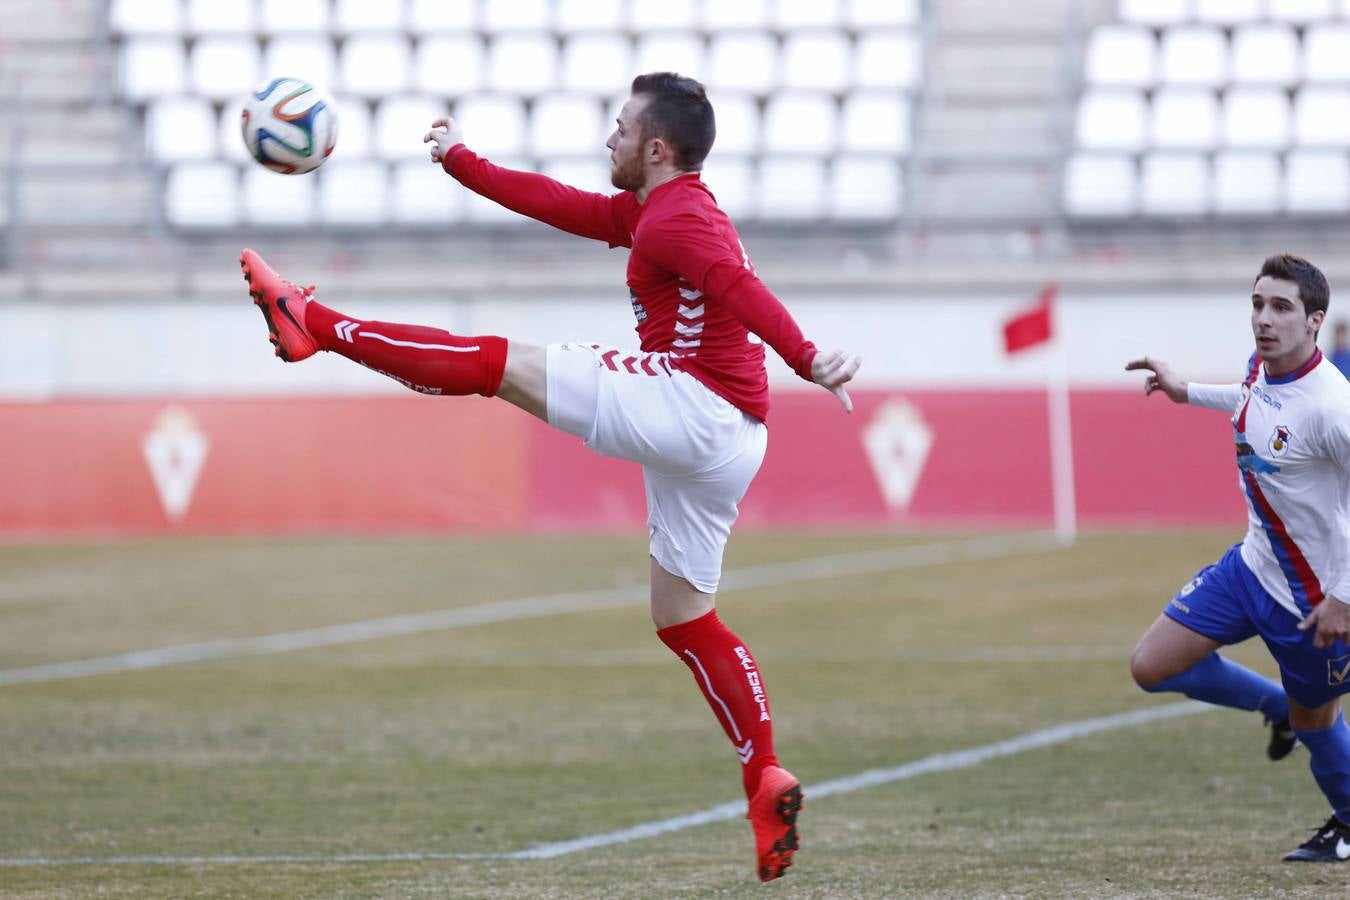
<point>1061,444</point>
<point>1031,329</point>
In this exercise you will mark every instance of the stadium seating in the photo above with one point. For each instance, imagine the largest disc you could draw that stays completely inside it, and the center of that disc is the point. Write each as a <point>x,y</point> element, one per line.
<point>814,98</point>
<point>1225,108</point>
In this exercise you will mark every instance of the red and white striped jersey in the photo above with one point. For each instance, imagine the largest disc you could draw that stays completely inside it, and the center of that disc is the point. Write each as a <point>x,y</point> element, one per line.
<point>694,292</point>
<point>1292,434</point>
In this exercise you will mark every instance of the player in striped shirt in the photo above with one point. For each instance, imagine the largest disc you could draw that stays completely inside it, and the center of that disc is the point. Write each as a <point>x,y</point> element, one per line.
<point>1289,578</point>
<point>689,406</point>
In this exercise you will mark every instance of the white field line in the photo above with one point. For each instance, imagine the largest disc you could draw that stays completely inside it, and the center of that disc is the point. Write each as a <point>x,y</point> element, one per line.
<point>768,575</point>
<point>939,762</point>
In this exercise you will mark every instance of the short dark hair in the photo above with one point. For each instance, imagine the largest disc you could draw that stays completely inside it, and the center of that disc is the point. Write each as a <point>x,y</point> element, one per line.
<point>679,113</point>
<point>1313,289</point>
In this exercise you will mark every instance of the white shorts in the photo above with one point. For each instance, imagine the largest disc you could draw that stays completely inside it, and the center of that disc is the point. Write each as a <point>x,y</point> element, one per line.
<point>698,452</point>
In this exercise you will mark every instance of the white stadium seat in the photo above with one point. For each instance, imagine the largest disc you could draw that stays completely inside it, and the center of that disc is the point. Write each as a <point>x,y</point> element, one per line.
<point>513,15</point>
<point>1194,55</point>
<point>229,133</point>
<point>202,195</point>
<point>359,16</point>
<point>1229,12</point>
<point>401,122</point>
<point>523,62</point>
<point>1322,117</point>
<point>1112,120</point>
<point>1155,12</point>
<point>1100,184</point>
<point>653,15</point>
<point>1175,184</point>
<point>422,193</point>
<point>496,123</point>
<point>1266,54</point>
<point>306,56</point>
<point>277,200</point>
<point>1122,55</point>
<point>356,130</point>
<point>180,128</point>
<point>1326,52</point>
<point>567,124</point>
<point>596,62</point>
<point>719,15</point>
<point>375,65</point>
<point>571,16</point>
<point>792,188</point>
<point>152,66</point>
<point>1317,181</point>
<point>449,64</point>
<point>743,61</point>
<point>432,16</point>
<point>215,17</point>
<point>1301,11</point>
<point>731,179</point>
<point>219,67</point>
<point>354,193</point>
<point>800,122</point>
<point>584,174</point>
<point>790,15</point>
<point>1247,183</point>
<point>145,17</point>
<point>670,51</point>
<point>282,16</point>
<point>1257,117</point>
<point>738,123</point>
<point>862,14</point>
<point>875,121</point>
<point>887,59</point>
<point>1184,118</point>
<point>817,59</point>
<point>865,187</point>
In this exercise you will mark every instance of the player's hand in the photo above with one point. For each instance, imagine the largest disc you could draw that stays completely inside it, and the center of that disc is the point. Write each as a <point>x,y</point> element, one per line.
<point>1331,618</point>
<point>444,134</point>
<point>832,371</point>
<point>1163,378</point>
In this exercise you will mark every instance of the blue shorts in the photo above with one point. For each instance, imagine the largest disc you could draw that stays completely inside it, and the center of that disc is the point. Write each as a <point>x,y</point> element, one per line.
<point>1227,603</point>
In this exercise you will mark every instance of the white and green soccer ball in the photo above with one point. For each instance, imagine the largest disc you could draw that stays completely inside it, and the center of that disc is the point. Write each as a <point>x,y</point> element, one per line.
<point>289,125</point>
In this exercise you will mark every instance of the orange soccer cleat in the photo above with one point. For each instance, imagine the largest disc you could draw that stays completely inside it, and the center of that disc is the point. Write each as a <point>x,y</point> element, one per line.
<point>283,306</point>
<point>773,815</point>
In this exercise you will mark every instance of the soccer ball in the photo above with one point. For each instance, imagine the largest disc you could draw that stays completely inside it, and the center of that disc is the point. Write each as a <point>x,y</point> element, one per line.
<point>289,125</point>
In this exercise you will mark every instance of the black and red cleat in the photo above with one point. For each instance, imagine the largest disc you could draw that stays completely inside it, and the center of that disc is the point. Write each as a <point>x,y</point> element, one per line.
<point>773,815</point>
<point>283,306</point>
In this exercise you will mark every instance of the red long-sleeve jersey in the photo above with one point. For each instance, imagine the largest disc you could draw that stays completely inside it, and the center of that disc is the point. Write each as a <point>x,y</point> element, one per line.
<point>695,294</point>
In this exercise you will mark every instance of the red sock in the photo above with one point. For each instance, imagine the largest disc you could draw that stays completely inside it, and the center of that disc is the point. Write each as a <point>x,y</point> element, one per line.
<point>727,675</point>
<point>428,360</point>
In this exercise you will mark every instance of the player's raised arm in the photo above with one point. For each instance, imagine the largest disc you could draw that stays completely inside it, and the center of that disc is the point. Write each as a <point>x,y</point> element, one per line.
<point>1223,397</point>
<point>584,213</point>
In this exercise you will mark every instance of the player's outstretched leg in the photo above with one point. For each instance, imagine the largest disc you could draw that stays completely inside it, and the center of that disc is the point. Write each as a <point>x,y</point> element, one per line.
<point>283,306</point>
<point>426,360</point>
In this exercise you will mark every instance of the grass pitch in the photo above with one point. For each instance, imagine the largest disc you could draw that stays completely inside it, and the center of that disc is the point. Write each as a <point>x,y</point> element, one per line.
<point>495,738</point>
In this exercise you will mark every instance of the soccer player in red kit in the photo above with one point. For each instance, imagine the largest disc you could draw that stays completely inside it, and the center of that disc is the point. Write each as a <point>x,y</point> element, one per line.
<point>689,406</point>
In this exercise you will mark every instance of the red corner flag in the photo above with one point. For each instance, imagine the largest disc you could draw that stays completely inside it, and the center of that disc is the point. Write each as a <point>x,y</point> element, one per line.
<point>1033,327</point>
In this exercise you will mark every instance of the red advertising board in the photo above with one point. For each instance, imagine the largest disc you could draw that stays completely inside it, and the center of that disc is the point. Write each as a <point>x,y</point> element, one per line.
<point>340,464</point>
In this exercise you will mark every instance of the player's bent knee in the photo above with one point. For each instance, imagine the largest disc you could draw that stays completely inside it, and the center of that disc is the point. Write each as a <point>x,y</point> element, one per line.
<point>1146,670</point>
